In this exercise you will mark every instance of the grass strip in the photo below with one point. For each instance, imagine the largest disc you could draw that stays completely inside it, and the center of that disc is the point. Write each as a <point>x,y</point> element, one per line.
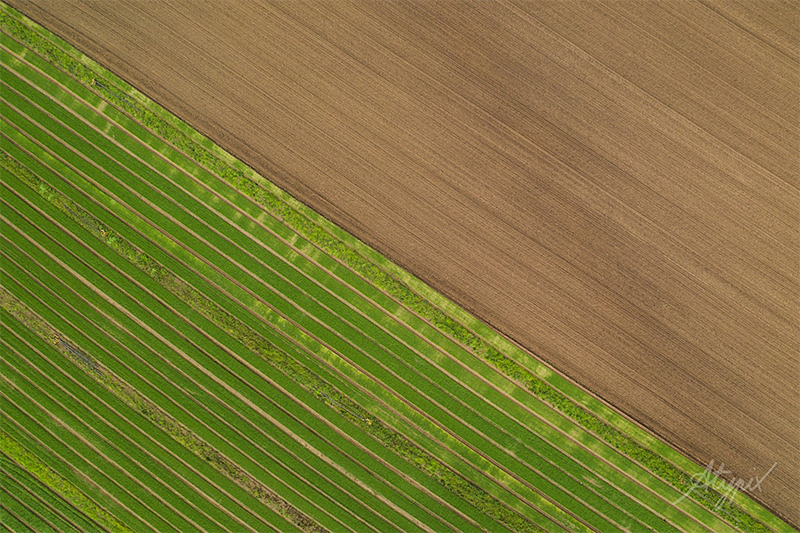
<point>67,454</point>
<point>99,485</point>
<point>157,416</point>
<point>54,409</point>
<point>10,488</point>
<point>72,517</point>
<point>48,477</point>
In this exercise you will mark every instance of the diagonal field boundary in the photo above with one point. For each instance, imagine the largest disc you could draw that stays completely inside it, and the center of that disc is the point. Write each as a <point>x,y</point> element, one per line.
<point>94,104</point>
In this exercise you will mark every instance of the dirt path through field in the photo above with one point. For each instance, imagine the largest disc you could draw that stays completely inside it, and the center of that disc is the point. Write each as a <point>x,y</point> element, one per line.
<point>614,185</point>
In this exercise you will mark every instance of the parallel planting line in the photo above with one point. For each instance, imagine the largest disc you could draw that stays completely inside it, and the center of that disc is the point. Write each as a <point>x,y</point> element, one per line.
<point>12,521</point>
<point>244,499</point>
<point>34,517</point>
<point>103,412</point>
<point>65,461</point>
<point>161,419</point>
<point>406,330</point>
<point>154,413</point>
<point>10,488</point>
<point>166,505</point>
<point>130,339</point>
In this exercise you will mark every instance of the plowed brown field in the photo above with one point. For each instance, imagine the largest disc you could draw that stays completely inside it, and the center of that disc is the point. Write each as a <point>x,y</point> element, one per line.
<point>614,185</point>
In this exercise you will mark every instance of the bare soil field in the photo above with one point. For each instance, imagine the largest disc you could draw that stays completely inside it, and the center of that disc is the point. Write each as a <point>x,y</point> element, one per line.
<point>613,185</point>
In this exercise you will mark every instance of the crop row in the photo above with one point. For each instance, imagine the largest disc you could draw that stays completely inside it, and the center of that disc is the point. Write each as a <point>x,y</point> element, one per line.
<point>17,484</point>
<point>25,495</point>
<point>26,469</point>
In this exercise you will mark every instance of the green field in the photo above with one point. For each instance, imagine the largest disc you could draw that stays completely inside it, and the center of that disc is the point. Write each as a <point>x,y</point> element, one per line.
<point>185,347</point>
